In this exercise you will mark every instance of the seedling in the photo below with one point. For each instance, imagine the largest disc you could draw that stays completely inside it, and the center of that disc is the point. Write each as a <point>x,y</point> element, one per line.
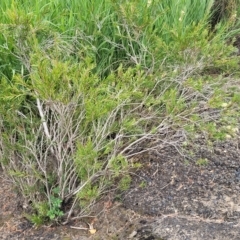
<point>202,162</point>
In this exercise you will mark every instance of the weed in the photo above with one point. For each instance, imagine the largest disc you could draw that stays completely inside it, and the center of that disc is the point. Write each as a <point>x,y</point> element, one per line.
<point>143,184</point>
<point>125,182</point>
<point>55,211</point>
<point>202,162</point>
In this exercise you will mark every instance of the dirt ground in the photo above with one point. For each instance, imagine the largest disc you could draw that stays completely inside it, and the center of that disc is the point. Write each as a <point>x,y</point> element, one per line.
<point>190,201</point>
<point>171,197</point>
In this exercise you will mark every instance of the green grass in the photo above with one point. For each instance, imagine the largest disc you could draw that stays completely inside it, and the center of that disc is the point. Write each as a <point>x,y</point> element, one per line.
<point>86,86</point>
<point>114,32</point>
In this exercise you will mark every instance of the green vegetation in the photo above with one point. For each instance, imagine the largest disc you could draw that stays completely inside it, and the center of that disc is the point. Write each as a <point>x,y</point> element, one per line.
<point>202,162</point>
<point>85,86</point>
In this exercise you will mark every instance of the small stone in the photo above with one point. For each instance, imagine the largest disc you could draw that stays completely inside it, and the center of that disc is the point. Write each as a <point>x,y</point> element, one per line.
<point>133,234</point>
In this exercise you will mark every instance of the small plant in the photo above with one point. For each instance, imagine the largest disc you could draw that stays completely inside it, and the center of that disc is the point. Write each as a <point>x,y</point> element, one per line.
<point>143,184</point>
<point>40,216</point>
<point>125,182</point>
<point>55,211</point>
<point>89,194</point>
<point>45,211</point>
<point>202,162</point>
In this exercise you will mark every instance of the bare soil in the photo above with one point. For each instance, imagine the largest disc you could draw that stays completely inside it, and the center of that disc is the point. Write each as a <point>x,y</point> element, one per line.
<point>171,197</point>
<point>190,201</point>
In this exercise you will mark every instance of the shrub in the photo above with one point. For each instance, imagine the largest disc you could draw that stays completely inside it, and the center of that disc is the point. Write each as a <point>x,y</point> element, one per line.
<point>82,94</point>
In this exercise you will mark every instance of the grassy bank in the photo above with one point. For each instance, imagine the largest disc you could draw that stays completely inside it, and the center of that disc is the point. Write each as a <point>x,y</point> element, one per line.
<point>87,86</point>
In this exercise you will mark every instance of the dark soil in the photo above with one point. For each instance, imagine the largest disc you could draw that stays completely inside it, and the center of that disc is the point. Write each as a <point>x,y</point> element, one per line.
<point>176,185</point>
<point>190,201</point>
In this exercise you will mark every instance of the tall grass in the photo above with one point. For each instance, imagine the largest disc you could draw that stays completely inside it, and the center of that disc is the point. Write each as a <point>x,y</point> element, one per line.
<point>118,32</point>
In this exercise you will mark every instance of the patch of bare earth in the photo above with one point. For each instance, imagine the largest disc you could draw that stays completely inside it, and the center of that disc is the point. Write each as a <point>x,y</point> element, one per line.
<point>190,201</point>
<point>170,198</point>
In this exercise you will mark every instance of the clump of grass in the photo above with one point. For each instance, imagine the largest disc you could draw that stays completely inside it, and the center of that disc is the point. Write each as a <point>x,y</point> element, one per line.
<point>202,162</point>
